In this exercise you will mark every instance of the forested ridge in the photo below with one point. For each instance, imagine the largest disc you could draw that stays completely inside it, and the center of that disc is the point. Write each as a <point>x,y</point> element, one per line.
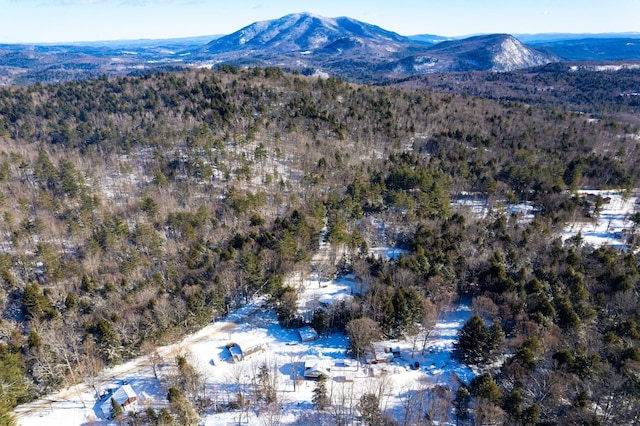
<point>605,91</point>
<point>137,209</point>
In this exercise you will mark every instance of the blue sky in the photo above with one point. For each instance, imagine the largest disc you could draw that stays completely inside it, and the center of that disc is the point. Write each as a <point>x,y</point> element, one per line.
<point>90,20</point>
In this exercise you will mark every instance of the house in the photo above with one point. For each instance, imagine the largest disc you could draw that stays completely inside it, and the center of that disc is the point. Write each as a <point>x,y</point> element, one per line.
<point>316,367</point>
<point>124,395</point>
<point>307,334</point>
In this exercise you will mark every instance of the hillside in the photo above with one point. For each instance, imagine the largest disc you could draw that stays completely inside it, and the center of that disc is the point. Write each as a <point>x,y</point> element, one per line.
<point>362,52</point>
<point>496,52</point>
<point>302,32</point>
<point>138,209</point>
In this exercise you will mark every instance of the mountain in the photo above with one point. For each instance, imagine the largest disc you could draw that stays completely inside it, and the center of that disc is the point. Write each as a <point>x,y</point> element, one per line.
<point>495,52</point>
<point>311,44</point>
<point>300,32</point>
<point>340,46</point>
<point>360,51</point>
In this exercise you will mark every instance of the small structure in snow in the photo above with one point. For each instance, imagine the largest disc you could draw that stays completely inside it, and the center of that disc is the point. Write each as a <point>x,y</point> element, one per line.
<point>235,351</point>
<point>316,367</point>
<point>307,334</point>
<point>381,354</point>
<point>124,395</point>
<point>254,349</point>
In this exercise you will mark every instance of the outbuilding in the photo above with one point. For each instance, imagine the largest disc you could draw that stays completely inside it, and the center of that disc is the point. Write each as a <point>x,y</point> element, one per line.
<point>124,395</point>
<point>307,334</point>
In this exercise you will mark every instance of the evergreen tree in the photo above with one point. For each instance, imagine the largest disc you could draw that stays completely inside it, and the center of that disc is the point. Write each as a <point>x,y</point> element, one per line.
<point>319,321</point>
<point>116,409</point>
<point>477,344</point>
<point>181,407</point>
<point>472,338</point>
<point>320,396</point>
<point>12,384</point>
<point>369,407</point>
<point>403,316</point>
<point>461,403</point>
<point>484,386</point>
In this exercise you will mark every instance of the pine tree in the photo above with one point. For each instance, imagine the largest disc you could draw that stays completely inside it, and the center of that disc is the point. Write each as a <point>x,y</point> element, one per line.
<point>495,341</point>
<point>485,387</point>
<point>369,407</point>
<point>477,344</point>
<point>320,397</point>
<point>116,409</point>
<point>461,403</point>
<point>472,338</point>
<point>319,321</point>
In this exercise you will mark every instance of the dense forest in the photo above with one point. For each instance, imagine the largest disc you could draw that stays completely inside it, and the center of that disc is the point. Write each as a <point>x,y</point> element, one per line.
<point>609,91</point>
<point>134,210</point>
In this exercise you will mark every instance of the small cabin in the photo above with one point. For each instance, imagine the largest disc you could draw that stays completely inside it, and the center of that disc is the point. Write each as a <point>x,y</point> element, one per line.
<point>124,395</point>
<point>307,334</point>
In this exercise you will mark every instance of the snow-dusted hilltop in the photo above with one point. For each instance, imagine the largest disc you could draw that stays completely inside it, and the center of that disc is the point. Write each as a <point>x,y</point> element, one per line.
<point>495,52</point>
<point>301,32</point>
<point>352,48</point>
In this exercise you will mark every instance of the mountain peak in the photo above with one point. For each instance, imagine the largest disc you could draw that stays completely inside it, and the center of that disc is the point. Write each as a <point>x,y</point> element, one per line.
<point>490,52</point>
<point>299,32</point>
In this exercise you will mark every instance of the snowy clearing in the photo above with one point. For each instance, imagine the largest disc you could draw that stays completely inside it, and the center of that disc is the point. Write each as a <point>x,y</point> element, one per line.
<point>255,329</point>
<point>613,222</point>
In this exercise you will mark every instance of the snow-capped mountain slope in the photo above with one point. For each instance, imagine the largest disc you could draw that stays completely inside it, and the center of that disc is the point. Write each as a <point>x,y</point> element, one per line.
<point>511,54</point>
<point>495,52</point>
<point>357,50</point>
<point>301,32</point>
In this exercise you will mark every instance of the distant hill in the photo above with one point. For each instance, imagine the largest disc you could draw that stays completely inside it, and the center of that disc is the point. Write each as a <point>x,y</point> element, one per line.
<point>496,52</point>
<point>360,51</point>
<point>313,45</point>
<point>594,49</point>
<point>553,37</point>
<point>432,38</point>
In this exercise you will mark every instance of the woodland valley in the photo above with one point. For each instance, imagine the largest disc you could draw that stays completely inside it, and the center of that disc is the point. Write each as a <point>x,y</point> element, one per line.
<point>134,210</point>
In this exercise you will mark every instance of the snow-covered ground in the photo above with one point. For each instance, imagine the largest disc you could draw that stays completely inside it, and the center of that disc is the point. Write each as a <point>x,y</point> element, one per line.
<point>207,352</point>
<point>610,226</point>
<point>480,208</point>
<point>282,351</point>
<point>255,327</point>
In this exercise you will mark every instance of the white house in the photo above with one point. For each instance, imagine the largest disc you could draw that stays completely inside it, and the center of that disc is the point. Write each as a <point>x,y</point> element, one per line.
<point>316,367</point>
